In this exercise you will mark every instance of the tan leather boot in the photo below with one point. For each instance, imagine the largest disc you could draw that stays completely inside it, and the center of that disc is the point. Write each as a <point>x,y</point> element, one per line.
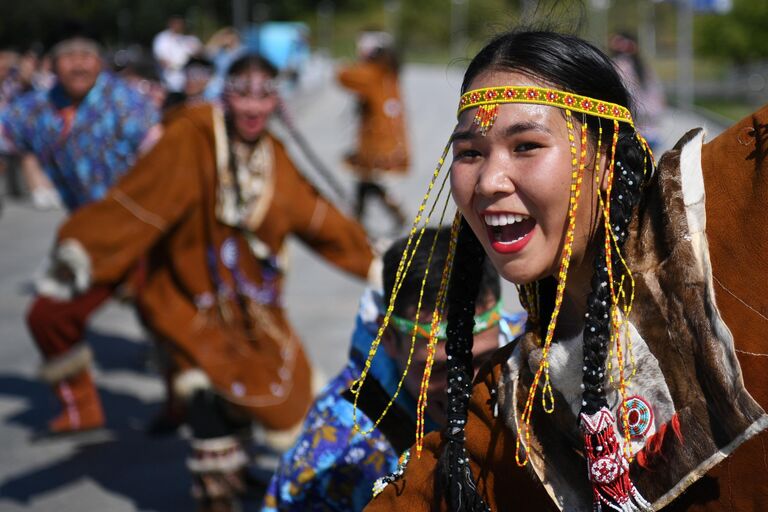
<point>81,406</point>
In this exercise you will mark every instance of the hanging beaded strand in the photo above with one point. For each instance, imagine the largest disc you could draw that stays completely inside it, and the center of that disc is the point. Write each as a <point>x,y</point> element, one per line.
<point>578,164</point>
<point>621,305</point>
<point>614,334</point>
<point>437,316</point>
<point>403,267</point>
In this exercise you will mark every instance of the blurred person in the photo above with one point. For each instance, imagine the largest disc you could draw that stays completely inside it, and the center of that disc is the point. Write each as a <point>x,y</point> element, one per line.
<point>198,72</point>
<point>643,84</point>
<point>330,467</point>
<point>36,67</point>
<point>43,77</point>
<point>172,49</point>
<point>20,72</point>
<point>84,132</point>
<point>10,85</point>
<point>382,146</point>
<point>212,204</point>
<point>141,73</point>
<point>18,75</point>
<point>222,48</point>
<point>9,88</point>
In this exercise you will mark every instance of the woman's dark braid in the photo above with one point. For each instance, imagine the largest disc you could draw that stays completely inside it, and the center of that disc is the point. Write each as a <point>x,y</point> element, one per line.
<point>629,175</point>
<point>462,292</point>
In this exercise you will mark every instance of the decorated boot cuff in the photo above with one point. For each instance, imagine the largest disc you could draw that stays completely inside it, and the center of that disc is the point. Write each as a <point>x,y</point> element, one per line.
<point>217,455</point>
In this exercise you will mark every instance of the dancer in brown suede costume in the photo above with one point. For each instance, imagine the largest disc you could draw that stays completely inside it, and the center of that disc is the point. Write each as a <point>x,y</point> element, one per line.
<point>382,146</point>
<point>212,204</point>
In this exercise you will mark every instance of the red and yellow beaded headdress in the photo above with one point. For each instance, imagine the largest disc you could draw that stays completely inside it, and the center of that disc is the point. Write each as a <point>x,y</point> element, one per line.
<point>490,98</point>
<point>487,101</point>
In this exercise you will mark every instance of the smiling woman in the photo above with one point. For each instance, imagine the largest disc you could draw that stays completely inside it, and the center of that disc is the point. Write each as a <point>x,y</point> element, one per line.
<point>251,96</point>
<point>626,348</point>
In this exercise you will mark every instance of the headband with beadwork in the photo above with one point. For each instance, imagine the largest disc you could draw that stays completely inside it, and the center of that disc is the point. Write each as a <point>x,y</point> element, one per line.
<point>542,96</point>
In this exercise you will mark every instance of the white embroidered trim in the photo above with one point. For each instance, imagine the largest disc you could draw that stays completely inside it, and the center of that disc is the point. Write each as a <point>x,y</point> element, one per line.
<point>692,180</point>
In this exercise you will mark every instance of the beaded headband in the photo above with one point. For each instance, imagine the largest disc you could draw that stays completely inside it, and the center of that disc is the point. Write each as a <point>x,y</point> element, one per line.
<point>247,86</point>
<point>538,95</point>
<point>483,322</point>
<point>77,44</point>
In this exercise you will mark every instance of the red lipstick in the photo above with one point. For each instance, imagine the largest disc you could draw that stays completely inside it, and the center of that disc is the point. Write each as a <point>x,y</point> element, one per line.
<point>510,238</point>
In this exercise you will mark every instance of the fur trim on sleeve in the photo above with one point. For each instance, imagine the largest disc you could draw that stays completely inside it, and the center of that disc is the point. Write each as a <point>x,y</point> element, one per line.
<point>70,254</point>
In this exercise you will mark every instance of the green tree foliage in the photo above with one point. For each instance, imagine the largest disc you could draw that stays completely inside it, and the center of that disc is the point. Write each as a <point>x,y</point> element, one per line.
<point>427,23</point>
<point>116,21</point>
<point>739,35</point>
<point>423,26</point>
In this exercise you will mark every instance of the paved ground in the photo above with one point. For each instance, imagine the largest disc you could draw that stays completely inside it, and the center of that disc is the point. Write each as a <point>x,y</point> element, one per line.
<point>123,470</point>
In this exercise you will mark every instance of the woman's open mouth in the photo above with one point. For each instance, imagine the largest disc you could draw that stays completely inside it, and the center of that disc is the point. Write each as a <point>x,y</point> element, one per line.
<point>508,232</point>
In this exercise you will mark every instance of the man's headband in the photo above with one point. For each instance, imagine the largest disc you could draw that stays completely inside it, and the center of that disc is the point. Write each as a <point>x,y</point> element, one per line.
<point>76,44</point>
<point>483,322</point>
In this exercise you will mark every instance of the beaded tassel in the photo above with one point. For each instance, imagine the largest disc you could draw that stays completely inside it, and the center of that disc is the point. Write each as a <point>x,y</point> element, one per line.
<point>485,117</point>
<point>529,299</point>
<point>607,468</point>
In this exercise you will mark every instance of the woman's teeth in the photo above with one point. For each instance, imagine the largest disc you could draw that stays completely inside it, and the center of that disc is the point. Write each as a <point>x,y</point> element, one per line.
<point>503,219</point>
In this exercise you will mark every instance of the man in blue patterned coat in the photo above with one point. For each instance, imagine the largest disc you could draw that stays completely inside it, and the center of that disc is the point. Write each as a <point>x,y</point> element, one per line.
<point>86,131</point>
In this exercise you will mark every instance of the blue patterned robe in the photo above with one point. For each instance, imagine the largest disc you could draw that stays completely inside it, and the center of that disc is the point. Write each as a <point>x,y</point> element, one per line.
<point>101,144</point>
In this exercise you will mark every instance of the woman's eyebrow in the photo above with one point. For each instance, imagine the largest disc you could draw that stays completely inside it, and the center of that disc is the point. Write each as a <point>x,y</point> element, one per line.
<point>525,126</point>
<point>463,135</point>
<point>509,131</point>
